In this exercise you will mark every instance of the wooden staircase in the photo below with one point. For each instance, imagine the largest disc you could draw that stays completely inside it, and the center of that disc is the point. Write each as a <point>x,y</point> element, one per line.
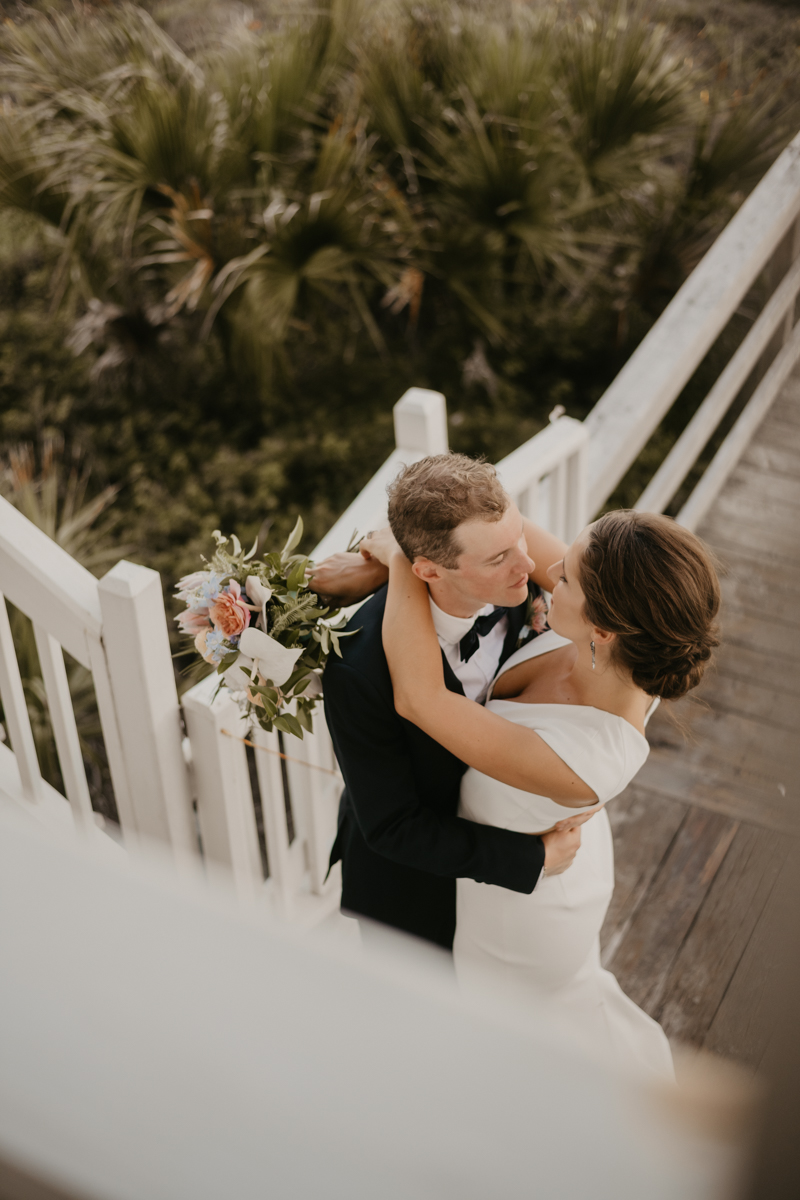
<point>710,832</point>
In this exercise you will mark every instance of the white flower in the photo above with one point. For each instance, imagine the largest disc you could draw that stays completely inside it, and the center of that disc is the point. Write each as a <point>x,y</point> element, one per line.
<point>260,594</point>
<point>274,661</point>
<point>313,687</point>
<point>237,678</point>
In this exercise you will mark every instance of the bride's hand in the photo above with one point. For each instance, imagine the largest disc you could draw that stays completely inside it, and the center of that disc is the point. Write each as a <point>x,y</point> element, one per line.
<point>380,544</point>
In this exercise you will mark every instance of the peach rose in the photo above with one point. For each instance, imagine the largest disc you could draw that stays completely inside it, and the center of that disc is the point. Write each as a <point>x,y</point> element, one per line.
<point>229,611</point>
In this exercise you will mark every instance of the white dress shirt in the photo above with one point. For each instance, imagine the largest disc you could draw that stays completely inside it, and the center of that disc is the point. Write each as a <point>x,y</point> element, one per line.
<point>477,673</point>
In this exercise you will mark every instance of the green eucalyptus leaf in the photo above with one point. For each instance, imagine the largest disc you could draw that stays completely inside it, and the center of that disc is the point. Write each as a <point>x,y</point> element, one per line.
<point>304,718</point>
<point>297,575</point>
<point>289,724</point>
<point>294,538</point>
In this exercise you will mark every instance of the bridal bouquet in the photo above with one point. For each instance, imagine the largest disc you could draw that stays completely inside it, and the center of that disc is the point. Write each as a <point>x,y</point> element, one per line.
<point>259,624</point>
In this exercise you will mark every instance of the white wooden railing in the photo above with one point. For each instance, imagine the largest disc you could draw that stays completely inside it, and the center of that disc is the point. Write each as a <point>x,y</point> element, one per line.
<point>763,238</point>
<point>116,626</point>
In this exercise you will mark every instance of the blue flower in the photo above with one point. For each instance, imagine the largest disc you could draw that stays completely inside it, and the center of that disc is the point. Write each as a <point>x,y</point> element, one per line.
<point>216,647</point>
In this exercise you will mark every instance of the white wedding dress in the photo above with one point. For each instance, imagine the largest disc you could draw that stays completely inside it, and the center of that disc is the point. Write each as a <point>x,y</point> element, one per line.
<point>543,948</point>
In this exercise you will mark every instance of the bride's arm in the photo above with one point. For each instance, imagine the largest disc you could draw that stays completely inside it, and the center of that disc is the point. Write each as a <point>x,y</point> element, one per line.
<point>346,578</point>
<point>480,738</point>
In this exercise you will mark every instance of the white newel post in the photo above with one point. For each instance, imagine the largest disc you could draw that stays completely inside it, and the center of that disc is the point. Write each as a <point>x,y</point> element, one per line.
<point>420,422</point>
<point>146,704</point>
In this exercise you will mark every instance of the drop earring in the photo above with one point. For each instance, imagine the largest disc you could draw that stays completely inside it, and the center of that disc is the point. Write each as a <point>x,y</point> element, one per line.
<point>593,663</point>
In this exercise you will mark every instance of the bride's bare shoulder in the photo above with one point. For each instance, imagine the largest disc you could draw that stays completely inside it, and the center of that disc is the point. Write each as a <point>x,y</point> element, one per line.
<point>518,679</point>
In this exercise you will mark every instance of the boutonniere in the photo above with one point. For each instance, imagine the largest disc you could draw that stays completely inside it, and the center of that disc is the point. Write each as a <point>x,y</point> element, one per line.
<point>535,619</point>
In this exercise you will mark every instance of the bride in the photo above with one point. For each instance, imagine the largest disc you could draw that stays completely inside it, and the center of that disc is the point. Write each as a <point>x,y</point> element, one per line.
<point>632,616</point>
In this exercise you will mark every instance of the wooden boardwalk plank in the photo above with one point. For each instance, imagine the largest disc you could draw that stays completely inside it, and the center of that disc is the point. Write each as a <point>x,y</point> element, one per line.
<point>729,693</point>
<point>767,637</point>
<point>771,488</point>
<point>709,833</point>
<point>762,804</point>
<point>718,939</point>
<point>644,825</point>
<point>757,571</point>
<point>737,660</point>
<point>755,598</point>
<point>660,924</point>
<point>778,433</point>
<point>721,530</point>
<point>782,460</point>
<point>742,1025</point>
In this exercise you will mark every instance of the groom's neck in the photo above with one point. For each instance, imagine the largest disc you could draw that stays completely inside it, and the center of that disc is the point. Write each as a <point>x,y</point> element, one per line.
<point>453,601</point>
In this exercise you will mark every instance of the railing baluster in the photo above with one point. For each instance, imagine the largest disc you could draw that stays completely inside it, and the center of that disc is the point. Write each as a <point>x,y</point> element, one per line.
<point>558,500</point>
<point>65,731</point>
<point>109,724</point>
<point>577,490</point>
<point>16,711</point>
<point>273,807</point>
<point>320,794</point>
<point>224,796</point>
<point>528,501</point>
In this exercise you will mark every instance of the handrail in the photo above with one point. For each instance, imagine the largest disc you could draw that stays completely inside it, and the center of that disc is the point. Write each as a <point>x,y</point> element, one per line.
<point>43,580</point>
<point>739,437</point>
<point>629,411</point>
<point>115,627</point>
<point>683,455</point>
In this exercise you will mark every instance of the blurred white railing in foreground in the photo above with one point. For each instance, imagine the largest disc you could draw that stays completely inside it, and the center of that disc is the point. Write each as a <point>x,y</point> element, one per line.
<point>180,1052</point>
<point>116,627</point>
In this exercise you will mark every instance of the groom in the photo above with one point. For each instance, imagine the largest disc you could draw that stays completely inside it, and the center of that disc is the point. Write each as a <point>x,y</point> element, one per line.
<point>400,842</point>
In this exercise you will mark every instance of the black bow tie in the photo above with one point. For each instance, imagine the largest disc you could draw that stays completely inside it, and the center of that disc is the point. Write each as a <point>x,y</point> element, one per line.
<point>471,640</point>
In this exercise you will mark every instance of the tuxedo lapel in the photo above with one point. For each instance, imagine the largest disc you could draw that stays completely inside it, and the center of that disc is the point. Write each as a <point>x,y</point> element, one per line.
<point>516,620</point>
<point>451,680</point>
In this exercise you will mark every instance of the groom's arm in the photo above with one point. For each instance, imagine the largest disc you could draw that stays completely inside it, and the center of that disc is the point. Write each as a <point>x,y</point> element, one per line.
<point>372,751</point>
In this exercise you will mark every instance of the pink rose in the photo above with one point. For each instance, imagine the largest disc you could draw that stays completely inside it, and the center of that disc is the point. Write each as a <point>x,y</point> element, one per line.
<point>192,622</point>
<point>190,583</point>
<point>539,615</point>
<point>229,612</point>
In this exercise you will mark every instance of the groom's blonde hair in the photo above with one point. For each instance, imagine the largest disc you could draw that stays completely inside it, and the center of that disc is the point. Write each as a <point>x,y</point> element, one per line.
<point>431,498</point>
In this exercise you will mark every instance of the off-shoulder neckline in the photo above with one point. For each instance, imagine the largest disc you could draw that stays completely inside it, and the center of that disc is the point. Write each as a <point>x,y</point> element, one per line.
<point>556,704</point>
<point>552,704</point>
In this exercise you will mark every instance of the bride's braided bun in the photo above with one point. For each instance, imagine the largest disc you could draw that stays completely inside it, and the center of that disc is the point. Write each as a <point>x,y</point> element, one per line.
<point>653,584</point>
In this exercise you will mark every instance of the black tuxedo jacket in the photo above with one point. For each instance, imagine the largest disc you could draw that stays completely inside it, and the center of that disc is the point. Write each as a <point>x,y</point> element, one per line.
<point>401,844</point>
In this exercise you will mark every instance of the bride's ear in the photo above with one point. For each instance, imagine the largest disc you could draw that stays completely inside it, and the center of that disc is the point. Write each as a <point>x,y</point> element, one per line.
<point>601,637</point>
<point>425,570</point>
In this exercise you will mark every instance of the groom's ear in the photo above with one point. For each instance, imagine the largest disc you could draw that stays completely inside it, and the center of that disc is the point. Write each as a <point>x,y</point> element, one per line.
<point>425,570</point>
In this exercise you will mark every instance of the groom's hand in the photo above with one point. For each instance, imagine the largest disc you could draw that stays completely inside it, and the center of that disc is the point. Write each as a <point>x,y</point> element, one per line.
<point>560,848</point>
<point>345,579</point>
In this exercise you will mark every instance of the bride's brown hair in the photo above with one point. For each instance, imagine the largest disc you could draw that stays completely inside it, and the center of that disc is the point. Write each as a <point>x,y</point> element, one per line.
<point>653,584</point>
